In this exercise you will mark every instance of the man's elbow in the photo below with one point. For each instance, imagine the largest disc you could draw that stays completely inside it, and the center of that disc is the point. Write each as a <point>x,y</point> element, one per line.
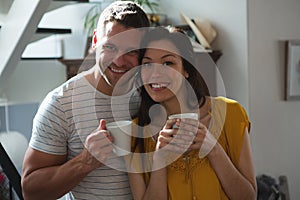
<point>28,191</point>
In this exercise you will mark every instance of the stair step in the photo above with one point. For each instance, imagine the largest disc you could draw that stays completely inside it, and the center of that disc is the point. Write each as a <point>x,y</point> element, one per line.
<point>41,58</point>
<point>37,50</point>
<point>41,33</point>
<point>54,30</point>
<point>79,1</point>
<point>59,4</point>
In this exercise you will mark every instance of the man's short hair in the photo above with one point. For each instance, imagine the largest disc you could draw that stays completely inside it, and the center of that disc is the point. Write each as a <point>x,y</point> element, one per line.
<point>126,13</point>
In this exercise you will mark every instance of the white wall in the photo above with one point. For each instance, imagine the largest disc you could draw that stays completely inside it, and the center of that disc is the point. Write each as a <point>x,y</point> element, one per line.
<point>31,81</point>
<point>275,122</point>
<point>230,21</point>
<point>18,25</point>
<point>223,18</point>
<point>252,67</point>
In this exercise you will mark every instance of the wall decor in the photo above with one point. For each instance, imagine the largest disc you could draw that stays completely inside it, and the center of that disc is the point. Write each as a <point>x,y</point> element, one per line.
<point>292,70</point>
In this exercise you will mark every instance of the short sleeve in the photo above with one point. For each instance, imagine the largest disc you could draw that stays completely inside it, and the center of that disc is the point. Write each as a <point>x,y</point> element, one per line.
<point>50,127</point>
<point>234,128</point>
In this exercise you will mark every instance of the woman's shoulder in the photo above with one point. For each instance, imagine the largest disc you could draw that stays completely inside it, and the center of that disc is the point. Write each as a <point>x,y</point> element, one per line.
<point>224,99</point>
<point>220,100</point>
<point>230,106</point>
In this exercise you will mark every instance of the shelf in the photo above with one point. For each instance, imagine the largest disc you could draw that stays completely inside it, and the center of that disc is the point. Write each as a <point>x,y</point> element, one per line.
<point>215,55</point>
<point>75,66</point>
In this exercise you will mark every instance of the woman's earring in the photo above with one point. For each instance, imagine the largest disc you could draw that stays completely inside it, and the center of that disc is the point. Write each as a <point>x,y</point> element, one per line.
<point>186,75</point>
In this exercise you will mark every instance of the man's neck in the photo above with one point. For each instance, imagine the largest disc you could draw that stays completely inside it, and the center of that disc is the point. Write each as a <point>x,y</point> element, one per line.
<point>98,82</point>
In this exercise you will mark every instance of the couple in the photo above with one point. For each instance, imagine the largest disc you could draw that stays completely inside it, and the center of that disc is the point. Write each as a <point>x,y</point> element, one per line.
<point>69,147</point>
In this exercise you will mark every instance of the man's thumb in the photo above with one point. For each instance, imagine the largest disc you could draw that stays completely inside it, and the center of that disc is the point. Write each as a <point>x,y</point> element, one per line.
<point>102,125</point>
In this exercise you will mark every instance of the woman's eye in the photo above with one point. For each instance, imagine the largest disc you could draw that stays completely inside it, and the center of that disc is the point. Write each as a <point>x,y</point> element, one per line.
<point>147,64</point>
<point>168,63</point>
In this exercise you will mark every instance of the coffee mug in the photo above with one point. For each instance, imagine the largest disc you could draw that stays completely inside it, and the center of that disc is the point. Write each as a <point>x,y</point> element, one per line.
<point>182,116</point>
<point>121,132</point>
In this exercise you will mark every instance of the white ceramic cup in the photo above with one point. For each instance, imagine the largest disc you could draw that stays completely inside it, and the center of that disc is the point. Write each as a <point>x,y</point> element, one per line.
<point>182,116</point>
<point>121,132</point>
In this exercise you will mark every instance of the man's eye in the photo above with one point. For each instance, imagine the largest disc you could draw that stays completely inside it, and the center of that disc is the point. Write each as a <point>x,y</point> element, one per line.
<point>133,52</point>
<point>109,48</point>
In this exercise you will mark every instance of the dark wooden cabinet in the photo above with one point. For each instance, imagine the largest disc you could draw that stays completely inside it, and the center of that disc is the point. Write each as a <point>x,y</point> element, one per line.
<point>75,66</point>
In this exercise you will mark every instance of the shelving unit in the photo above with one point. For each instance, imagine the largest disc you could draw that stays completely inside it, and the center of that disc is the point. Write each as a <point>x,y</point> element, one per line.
<point>75,66</point>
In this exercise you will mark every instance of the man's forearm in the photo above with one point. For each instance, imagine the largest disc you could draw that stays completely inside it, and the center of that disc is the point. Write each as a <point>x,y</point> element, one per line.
<point>55,181</point>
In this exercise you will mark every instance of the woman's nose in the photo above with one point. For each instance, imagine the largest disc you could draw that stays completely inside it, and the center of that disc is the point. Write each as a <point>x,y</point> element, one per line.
<point>158,69</point>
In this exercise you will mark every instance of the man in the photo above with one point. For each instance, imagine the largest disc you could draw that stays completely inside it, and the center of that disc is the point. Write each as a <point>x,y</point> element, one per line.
<point>69,150</point>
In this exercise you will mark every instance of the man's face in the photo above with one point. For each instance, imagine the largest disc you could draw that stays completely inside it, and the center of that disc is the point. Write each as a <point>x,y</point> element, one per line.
<point>117,51</point>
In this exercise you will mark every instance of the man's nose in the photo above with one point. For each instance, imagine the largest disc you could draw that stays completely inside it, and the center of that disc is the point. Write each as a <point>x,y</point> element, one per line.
<point>120,59</point>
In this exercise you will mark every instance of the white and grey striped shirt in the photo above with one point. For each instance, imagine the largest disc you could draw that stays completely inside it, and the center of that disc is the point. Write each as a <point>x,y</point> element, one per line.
<point>67,116</point>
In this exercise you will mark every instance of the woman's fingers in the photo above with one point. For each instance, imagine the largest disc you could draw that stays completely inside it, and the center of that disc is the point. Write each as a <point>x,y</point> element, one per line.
<point>188,135</point>
<point>170,123</point>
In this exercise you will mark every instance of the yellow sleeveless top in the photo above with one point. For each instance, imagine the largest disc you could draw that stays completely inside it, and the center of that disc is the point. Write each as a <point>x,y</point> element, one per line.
<point>190,177</point>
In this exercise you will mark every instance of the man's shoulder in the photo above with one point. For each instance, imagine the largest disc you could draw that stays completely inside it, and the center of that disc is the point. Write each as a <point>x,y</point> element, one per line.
<point>75,83</point>
<point>66,91</point>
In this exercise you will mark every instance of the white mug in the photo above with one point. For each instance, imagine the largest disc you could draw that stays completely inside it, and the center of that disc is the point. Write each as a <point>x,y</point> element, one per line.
<point>121,132</point>
<point>182,116</point>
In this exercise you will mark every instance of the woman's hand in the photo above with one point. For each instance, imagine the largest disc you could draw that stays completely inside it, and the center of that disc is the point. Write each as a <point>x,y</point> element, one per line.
<point>188,135</point>
<point>178,135</point>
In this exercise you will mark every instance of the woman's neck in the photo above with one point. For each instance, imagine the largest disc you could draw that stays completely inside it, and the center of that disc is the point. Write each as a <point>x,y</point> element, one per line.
<point>181,103</point>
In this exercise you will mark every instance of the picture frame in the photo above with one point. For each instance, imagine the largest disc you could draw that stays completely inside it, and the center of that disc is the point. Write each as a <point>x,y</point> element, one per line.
<point>292,70</point>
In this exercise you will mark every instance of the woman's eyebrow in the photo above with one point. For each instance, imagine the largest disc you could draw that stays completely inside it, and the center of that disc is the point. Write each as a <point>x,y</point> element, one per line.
<point>168,55</point>
<point>163,57</point>
<point>145,57</point>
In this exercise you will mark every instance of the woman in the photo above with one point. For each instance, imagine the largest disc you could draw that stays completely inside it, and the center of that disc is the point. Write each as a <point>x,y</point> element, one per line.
<point>212,154</point>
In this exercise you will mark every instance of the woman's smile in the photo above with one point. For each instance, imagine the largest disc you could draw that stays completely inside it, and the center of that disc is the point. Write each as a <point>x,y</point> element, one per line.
<point>158,86</point>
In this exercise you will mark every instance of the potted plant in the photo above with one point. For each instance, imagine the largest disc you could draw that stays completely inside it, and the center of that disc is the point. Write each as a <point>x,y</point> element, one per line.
<point>91,17</point>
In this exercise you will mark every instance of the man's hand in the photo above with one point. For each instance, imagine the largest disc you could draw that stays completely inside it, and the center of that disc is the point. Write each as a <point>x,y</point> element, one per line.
<point>98,147</point>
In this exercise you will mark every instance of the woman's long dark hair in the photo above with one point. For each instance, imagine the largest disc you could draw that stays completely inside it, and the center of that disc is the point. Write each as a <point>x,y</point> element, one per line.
<point>183,44</point>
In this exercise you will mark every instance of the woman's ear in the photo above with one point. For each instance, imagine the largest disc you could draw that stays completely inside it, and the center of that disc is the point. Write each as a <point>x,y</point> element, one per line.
<point>186,74</point>
<point>94,40</point>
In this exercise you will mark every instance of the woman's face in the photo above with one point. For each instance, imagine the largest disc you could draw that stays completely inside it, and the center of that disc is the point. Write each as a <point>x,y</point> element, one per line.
<point>162,72</point>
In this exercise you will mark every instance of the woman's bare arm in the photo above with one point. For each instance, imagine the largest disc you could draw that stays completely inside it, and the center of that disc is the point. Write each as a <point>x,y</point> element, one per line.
<point>238,182</point>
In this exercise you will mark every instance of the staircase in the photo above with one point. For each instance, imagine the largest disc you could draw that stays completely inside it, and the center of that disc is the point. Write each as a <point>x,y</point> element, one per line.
<point>20,30</point>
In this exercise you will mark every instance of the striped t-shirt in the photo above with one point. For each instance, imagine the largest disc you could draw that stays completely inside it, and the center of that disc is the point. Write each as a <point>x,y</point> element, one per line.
<point>67,116</point>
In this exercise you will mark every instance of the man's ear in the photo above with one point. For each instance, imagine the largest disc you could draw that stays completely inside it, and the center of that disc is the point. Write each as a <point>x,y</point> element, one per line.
<point>94,40</point>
